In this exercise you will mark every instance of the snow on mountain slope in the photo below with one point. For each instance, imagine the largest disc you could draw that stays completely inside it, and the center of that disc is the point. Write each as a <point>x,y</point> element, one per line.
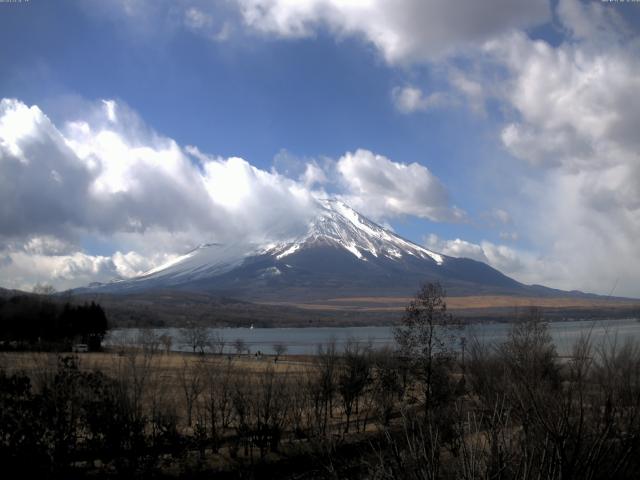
<point>341,252</point>
<point>207,260</point>
<point>341,225</point>
<point>336,223</point>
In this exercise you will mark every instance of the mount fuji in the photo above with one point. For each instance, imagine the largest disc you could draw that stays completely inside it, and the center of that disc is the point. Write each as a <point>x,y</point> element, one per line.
<point>341,254</point>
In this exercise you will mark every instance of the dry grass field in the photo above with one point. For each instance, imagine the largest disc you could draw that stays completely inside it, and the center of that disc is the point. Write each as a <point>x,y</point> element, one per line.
<point>398,304</point>
<point>169,366</point>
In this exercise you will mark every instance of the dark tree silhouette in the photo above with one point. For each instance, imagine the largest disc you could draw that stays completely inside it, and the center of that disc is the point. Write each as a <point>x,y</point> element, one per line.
<point>423,343</point>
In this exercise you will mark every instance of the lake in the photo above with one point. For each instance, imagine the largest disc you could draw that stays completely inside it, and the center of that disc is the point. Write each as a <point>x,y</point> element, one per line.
<point>305,340</point>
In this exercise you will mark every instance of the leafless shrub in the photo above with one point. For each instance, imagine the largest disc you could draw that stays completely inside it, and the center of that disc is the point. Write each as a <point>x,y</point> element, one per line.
<point>166,341</point>
<point>218,400</point>
<point>240,346</point>
<point>387,388</point>
<point>196,337</point>
<point>191,379</point>
<point>133,369</point>
<point>413,453</point>
<point>326,378</point>
<point>279,349</point>
<point>353,378</point>
<point>269,405</point>
<point>217,343</point>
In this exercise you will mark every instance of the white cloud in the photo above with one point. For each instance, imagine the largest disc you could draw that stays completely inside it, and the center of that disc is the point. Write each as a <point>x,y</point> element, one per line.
<point>509,260</point>
<point>23,270</point>
<point>510,236</point>
<point>110,109</point>
<point>113,176</point>
<point>402,30</point>
<point>501,216</point>
<point>410,99</point>
<point>462,91</point>
<point>473,92</point>
<point>196,19</point>
<point>47,245</point>
<point>313,175</point>
<point>107,178</point>
<point>575,115</point>
<point>154,21</point>
<point>591,20</point>
<point>382,188</point>
<point>456,248</point>
<point>520,264</point>
<point>199,21</point>
<point>571,113</point>
<point>131,264</point>
<point>576,104</point>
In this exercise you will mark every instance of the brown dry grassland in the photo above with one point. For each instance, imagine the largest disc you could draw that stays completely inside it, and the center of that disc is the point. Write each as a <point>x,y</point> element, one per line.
<point>170,364</point>
<point>372,304</point>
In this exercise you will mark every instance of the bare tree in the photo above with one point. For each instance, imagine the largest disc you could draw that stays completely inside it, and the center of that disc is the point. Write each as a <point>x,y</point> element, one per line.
<point>354,376</point>
<point>166,341</point>
<point>148,340</point>
<point>303,404</point>
<point>134,370</point>
<point>529,349</point>
<point>327,370</point>
<point>240,346</point>
<point>423,343</point>
<point>191,381</point>
<point>196,337</point>
<point>279,349</point>
<point>242,393</point>
<point>269,404</point>
<point>217,343</point>
<point>387,384</point>
<point>413,454</point>
<point>218,396</point>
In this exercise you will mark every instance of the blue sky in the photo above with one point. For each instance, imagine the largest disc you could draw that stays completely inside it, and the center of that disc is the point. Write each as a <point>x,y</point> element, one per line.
<point>523,160</point>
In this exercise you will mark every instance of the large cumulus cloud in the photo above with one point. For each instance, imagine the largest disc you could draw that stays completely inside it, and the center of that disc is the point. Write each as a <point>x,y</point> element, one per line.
<point>402,30</point>
<point>576,112</point>
<point>109,174</point>
<point>383,189</point>
<point>105,178</point>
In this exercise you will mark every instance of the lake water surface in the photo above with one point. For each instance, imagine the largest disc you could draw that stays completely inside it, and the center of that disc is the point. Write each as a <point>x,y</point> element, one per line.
<point>306,340</point>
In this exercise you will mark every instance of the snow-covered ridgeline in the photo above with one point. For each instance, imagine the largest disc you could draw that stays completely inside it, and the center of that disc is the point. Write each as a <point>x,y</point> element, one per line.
<point>336,224</point>
<point>340,224</point>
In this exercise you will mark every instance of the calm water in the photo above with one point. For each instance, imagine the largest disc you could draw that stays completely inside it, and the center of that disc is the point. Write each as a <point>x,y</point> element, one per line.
<point>306,340</point>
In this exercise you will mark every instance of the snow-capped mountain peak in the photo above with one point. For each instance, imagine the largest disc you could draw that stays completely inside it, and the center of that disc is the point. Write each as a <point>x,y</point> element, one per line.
<point>339,252</point>
<point>340,225</point>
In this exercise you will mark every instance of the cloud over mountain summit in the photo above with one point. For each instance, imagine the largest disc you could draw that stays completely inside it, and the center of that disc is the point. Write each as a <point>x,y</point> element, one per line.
<point>107,175</point>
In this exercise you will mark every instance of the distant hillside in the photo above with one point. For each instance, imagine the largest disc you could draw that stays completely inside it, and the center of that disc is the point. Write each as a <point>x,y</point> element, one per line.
<point>176,308</point>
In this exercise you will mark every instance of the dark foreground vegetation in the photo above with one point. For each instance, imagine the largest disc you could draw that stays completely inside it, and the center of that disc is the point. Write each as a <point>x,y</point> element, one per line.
<point>29,322</point>
<point>509,411</point>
